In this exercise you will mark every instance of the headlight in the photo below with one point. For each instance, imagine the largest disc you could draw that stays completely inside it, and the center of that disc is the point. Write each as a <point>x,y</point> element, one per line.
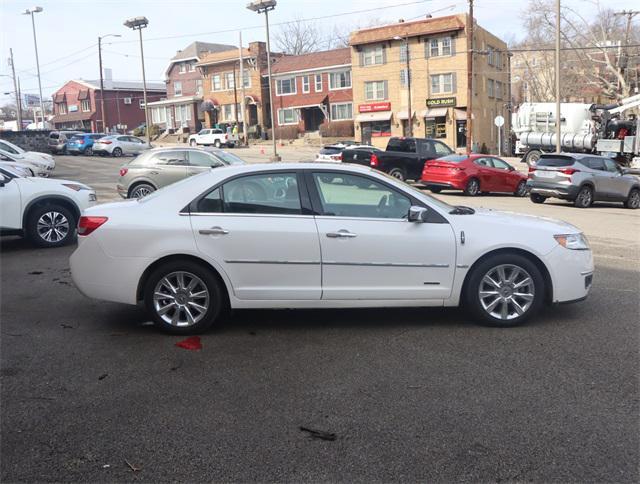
<point>76,186</point>
<point>572,241</point>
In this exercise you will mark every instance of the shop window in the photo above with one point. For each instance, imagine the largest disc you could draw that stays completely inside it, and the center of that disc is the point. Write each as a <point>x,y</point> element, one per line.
<point>380,128</point>
<point>436,127</point>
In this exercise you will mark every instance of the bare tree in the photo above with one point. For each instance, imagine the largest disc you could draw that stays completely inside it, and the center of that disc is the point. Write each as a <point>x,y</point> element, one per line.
<point>299,37</point>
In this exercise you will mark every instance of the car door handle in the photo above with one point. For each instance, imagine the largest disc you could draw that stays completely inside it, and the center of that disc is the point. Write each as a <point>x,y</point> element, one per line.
<point>341,234</point>
<point>214,231</point>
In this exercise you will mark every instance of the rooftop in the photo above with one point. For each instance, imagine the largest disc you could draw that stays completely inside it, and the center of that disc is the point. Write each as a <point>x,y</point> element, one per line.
<point>110,85</point>
<point>429,26</point>
<point>327,58</point>
<point>199,49</point>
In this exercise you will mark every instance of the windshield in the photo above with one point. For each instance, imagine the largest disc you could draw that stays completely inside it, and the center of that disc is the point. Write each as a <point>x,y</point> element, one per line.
<point>8,148</point>
<point>228,158</point>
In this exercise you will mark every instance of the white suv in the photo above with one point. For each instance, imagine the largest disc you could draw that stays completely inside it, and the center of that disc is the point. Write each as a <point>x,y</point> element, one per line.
<point>46,211</point>
<point>215,137</point>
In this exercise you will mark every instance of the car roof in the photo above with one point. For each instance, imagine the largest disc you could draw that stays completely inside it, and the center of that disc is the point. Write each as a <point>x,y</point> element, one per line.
<point>577,156</point>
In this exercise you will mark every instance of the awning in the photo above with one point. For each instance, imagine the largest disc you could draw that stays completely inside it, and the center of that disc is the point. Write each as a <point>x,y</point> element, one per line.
<point>403,114</point>
<point>77,116</point>
<point>380,116</point>
<point>83,95</point>
<point>59,98</point>
<point>461,114</point>
<point>434,112</point>
<point>252,99</point>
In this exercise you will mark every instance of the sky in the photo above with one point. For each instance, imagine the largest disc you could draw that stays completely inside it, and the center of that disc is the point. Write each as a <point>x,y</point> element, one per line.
<point>67,30</point>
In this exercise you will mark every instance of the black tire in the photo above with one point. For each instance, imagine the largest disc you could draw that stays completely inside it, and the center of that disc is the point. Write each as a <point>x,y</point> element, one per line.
<point>214,302</point>
<point>56,217</point>
<point>532,157</point>
<point>537,198</point>
<point>141,190</point>
<point>217,143</point>
<point>473,187</point>
<point>584,199</point>
<point>117,152</point>
<point>476,282</point>
<point>88,151</point>
<point>193,143</point>
<point>633,200</point>
<point>397,173</point>
<point>521,189</point>
<point>435,189</point>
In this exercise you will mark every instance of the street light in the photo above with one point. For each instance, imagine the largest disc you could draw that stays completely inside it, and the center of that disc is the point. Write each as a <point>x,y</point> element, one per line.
<point>264,6</point>
<point>31,11</point>
<point>409,108</point>
<point>139,23</point>
<point>104,115</point>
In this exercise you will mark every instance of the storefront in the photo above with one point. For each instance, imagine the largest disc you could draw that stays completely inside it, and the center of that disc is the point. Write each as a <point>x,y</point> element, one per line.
<point>374,123</point>
<point>445,121</point>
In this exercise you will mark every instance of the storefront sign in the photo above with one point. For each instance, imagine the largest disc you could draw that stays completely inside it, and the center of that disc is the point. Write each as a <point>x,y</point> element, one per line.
<point>443,102</point>
<point>374,107</point>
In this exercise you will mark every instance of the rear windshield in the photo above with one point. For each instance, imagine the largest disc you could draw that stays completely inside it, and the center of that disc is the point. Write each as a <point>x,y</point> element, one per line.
<point>330,150</point>
<point>54,135</point>
<point>77,137</point>
<point>143,159</point>
<point>453,158</point>
<point>555,161</point>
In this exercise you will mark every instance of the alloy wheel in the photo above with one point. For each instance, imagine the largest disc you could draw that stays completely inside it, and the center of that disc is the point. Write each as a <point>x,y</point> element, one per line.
<point>473,187</point>
<point>397,174</point>
<point>506,292</point>
<point>521,191</point>
<point>181,299</point>
<point>52,227</point>
<point>141,191</point>
<point>634,199</point>
<point>584,198</point>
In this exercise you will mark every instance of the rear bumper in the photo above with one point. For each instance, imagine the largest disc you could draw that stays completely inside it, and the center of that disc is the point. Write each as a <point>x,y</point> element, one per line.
<point>438,182</point>
<point>557,190</point>
<point>122,190</point>
<point>100,150</point>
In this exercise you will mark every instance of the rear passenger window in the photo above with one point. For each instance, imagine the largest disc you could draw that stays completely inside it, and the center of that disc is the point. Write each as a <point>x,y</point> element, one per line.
<point>211,203</point>
<point>264,193</point>
<point>170,158</point>
<point>596,164</point>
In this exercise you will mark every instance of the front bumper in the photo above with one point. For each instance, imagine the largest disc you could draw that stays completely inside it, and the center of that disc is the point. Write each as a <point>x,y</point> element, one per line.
<point>572,273</point>
<point>556,190</point>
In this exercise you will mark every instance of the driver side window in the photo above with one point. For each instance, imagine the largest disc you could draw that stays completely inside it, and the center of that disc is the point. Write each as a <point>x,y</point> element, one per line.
<point>611,166</point>
<point>345,195</point>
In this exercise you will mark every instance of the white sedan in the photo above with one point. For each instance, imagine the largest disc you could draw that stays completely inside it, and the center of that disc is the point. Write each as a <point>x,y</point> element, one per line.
<point>119,145</point>
<point>42,163</point>
<point>312,235</point>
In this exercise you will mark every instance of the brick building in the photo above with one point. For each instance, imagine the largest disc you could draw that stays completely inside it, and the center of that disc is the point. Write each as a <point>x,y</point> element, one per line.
<point>77,104</point>
<point>223,90</point>
<point>437,50</point>
<point>185,89</point>
<point>312,89</point>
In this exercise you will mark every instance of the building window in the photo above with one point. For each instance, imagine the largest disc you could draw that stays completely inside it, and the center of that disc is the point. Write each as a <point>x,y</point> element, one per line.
<point>182,68</point>
<point>141,103</point>
<point>286,86</point>
<point>375,90</point>
<point>287,116</point>
<point>372,56</point>
<point>192,67</point>
<point>229,113</point>
<point>183,113</point>
<point>490,89</point>
<point>340,80</point>
<point>498,90</point>
<point>177,88</point>
<point>199,87</point>
<point>85,105</point>
<point>216,83</point>
<point>341,111</point>
<point>442,84</point>
<point>229,80</point>
<point>318,82</point>
<point>404,49</point>
<point>246,78</point>
<point>62,108</point>
<point>305,84</point>
<point>403,78</point>
<point>438,47</point>
<point>158,115</point>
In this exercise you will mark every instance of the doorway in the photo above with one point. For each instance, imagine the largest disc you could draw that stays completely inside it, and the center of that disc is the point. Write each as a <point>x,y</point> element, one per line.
<point>312,118</point>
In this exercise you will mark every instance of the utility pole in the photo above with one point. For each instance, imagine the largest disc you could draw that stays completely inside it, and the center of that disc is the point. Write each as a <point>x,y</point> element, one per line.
<point>244,96</point>
<point>17,92</point>
<point>558,114</point>
<point>629,14</point>
<point>235,95</point>
<point>470,78</point>
<point>31,11</point>
<point>104,115</point>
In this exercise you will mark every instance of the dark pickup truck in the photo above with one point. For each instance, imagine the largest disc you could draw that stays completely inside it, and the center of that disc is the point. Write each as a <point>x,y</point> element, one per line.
<point>404,158</point>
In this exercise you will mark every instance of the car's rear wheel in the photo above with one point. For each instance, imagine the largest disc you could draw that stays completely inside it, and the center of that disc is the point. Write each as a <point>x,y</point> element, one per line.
<point>217,143</point>
<point>504,290</point>
<point>537,198</point>
<point>88,151</point>
<point>183,297</point>
<point>141,190</point>
<point>521,189</point>
<point>117,152</point>
<point>51,226</point>
<point>633,200</point>
<point>584,199</point>
<point>473,187</point>
<point>435,189</point>
<point>193,142</point>
<point>398,173</point>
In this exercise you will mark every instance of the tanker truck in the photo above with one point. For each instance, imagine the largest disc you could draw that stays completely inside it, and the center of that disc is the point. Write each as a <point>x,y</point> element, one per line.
<point>611,130</point>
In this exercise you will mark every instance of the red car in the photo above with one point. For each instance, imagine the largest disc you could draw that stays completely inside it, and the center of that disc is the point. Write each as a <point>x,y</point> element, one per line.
<point>473,174</point>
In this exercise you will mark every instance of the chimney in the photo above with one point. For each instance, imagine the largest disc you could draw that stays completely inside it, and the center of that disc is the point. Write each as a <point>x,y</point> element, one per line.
<point>108,78</point>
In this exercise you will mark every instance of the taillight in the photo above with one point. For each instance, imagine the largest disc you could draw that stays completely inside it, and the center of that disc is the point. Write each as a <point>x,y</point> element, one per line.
<point>124,171</point>
<point>226,137</point>
<point>532,169</point>
<point>80,141</point>
<point>105,142</point>
<point>87,225</point>
<point>373,161</point>
<point>569,171</point>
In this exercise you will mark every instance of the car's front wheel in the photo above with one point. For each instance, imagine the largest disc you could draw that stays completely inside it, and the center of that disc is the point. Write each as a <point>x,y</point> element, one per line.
<point>435,189</point>
<point>633,200</point>
<point>51,226</point>
<point>88,151</point>
<point>504,290</point>
<point>141,190</point>
<point>217,143</point>
<point>193,142</point>
<point>183,297</point>
<point>473,187</point>
<point>521,189</point>
<point>117,152</point>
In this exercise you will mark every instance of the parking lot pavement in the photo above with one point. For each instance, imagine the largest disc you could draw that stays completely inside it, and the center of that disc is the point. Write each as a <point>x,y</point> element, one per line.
<point>90,391</point>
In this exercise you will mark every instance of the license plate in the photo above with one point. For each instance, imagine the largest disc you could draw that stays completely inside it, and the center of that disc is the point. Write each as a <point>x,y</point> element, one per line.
<point>546,174</point>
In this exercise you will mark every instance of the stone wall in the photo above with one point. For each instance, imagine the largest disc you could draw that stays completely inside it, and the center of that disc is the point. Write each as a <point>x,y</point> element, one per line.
<point>28,140</point>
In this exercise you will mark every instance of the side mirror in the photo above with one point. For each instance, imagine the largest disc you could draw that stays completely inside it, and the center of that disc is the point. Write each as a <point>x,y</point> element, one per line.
<point>417,214</point>
<point>511,168</point>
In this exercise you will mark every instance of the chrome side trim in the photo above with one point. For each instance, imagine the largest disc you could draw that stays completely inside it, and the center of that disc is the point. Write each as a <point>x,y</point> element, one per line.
<point>586,273</point>
<point>227,214</point>
<point>256,261</point>
<point>384,264</point>
<point>462,266</point>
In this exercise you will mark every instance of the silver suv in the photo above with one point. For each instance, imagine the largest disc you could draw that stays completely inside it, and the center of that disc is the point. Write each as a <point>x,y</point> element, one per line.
<point>582,179</point>
<point>159,167</point>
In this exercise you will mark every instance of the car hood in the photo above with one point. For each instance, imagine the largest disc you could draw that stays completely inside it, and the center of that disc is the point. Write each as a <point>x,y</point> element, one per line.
<point>55,182</point>
<point>519,221</point>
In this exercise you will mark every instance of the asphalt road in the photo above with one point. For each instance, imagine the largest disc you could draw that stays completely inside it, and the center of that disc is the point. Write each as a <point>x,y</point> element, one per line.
<point>90,392</point>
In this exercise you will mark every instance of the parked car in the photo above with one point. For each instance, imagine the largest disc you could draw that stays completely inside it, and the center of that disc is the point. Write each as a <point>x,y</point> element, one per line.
<point>44,161</point>
<point>338,236</point>
<point>159,167</point>
<point>35,168</point>
<point>360,154</point>
<point>473,174</point>
<point>119,145</point>
<point>213,137</point>
<point>82,144</point>
<point>20,169</point>
<point>335,151</point>
<point>58,141</point>
<point>404,157</point>
<point>46,211</point>
<point>582,179</point>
